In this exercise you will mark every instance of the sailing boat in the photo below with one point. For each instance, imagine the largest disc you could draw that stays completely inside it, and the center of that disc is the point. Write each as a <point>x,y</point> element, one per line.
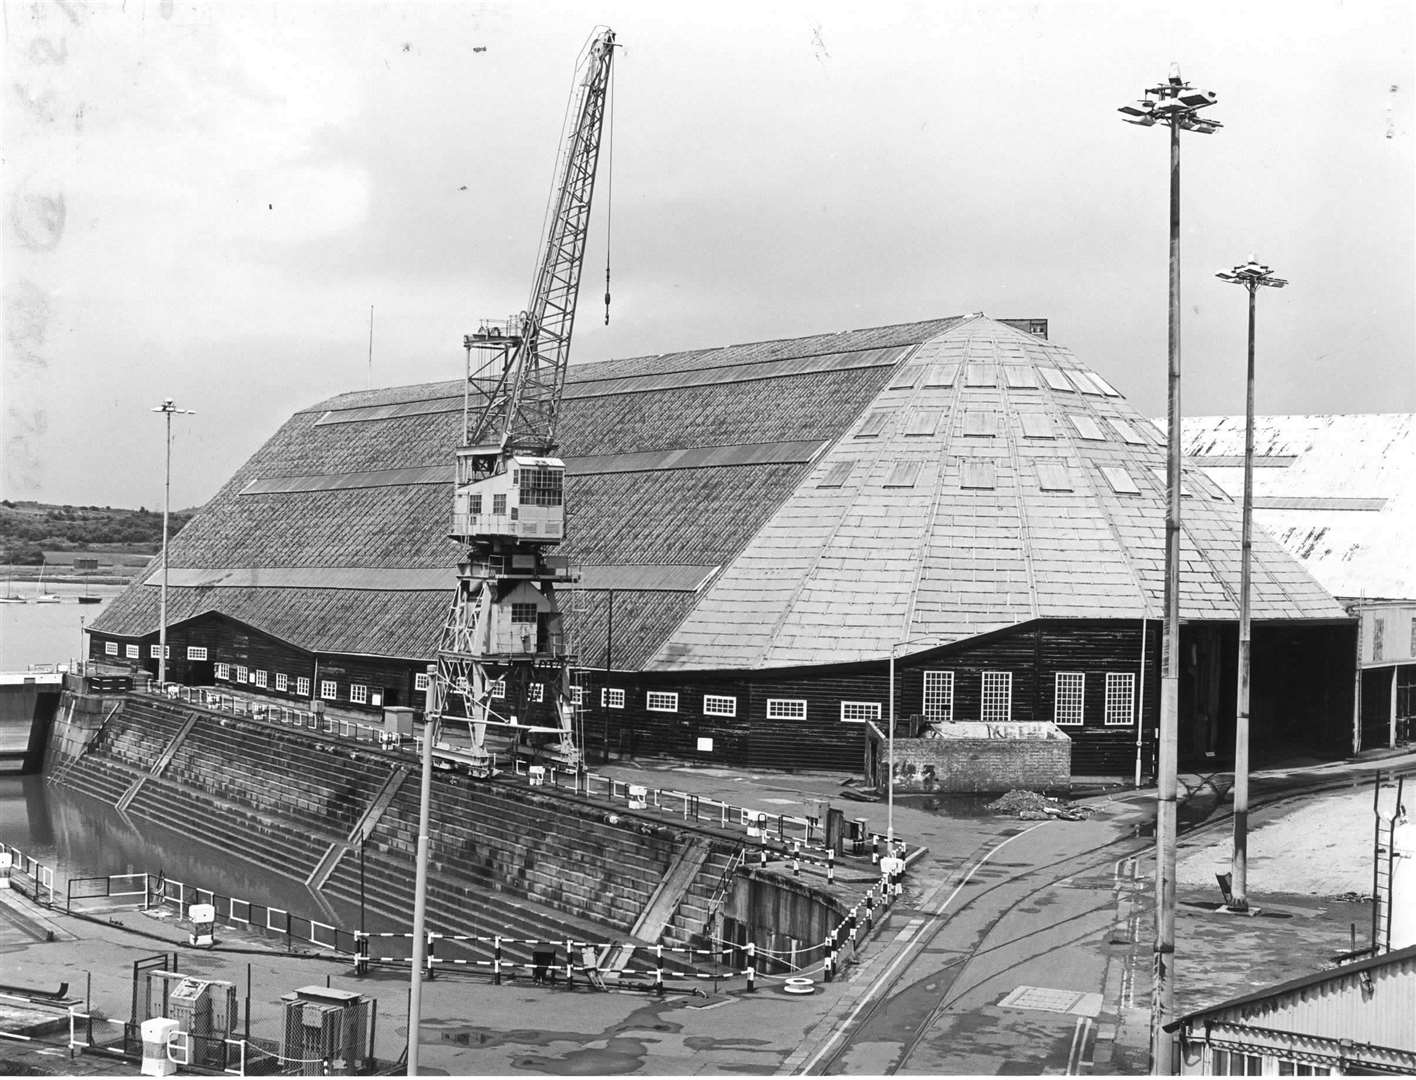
<point>40,596</point>
<point>11,597</point>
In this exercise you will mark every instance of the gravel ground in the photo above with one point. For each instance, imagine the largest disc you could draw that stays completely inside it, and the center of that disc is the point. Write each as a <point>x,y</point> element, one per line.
<point>1322,848</point>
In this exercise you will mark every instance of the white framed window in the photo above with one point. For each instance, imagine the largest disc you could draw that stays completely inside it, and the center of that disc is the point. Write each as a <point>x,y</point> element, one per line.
<point>939,695</point>
<point>302,686</point>
<point>223,671</point>
<point>1070,698</point>
<point>1120,698</point>
<point>538,691</point>
<point>110,648</point>
<point>131,652</point>
<point>858,712</point>
<point>242,674</point>
<point>577,695</point>
<point>786,709</point>
<point>420,681</point>
<point>719,705</point>
<point>282,682</point>
<point>497,689</point>
<point>329,689</point>
<point>154,651</point>
<point>358,694</point>
<point>997,704</point>
<point>260,678</point>
<point>196,652</point>
<point>661,701</point>
<point>611,698</point>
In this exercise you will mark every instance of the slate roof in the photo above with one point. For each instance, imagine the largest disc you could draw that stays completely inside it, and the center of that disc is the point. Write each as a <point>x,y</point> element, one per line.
<point>1339,492</point>
<point>950,524</point>
<point>809,500</point>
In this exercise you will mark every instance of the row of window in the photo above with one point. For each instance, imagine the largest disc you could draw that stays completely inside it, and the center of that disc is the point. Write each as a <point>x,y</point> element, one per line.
<point>996,694</point>
<point>1016,376</point>
<point>981,474</point>
<point>984,424</point>
<point>996,700</point>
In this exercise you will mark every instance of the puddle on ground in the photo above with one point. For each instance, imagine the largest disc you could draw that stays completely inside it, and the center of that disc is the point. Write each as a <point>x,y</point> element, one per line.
<point>955,806</point>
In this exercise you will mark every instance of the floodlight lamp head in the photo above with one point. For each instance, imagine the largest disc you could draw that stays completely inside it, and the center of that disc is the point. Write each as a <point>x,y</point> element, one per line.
<point>1175,79</point>
<point>1142,107</point>
<point>1142,121</point>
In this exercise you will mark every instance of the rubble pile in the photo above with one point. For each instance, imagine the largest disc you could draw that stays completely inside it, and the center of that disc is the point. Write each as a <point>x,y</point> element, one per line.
<point>1032,806</point>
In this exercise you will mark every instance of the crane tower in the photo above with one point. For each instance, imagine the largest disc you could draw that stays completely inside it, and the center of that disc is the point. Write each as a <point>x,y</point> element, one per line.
<point>504,660</point>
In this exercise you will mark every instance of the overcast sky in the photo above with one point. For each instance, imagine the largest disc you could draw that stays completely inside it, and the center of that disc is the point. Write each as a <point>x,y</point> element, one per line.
<point>204,199</point>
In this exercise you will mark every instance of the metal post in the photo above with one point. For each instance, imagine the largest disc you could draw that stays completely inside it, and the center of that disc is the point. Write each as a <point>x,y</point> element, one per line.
<point>420,883</point>
<point>1251,275</point>
<point>890,763</point>
<point>167,408</point>
<point>1239,863</point>
<point>1163,997</point>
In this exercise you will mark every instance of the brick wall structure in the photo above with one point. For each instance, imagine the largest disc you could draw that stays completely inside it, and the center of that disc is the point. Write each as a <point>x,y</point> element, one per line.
<point>973,757</point>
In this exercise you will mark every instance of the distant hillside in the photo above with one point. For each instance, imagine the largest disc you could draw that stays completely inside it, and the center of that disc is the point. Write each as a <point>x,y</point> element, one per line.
<point>28,529</point>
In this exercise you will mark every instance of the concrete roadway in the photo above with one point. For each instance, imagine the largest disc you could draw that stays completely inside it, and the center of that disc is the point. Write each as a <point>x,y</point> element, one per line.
<point>1000,969</point>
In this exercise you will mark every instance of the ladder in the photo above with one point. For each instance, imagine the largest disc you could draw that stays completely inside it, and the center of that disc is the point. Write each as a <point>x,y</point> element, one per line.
<point>1389,808</point>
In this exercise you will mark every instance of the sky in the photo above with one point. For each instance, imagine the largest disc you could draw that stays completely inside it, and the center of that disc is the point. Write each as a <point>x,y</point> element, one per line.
<point>204,200</point>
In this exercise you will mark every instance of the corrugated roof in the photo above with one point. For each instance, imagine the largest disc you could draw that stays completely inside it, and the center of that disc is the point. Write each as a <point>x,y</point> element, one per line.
<point>1338,492</point>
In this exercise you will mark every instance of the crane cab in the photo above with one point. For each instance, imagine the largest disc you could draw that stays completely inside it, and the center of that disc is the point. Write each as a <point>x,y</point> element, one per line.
<point>512,496</point>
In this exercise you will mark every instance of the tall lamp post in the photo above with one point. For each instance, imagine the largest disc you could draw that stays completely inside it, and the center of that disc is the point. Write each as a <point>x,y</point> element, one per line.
<point>1251,275</point>
<point>167,408</point>
<point>1176,104</point>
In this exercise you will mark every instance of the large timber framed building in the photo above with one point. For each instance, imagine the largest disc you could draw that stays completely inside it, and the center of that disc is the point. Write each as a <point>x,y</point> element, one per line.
<point>757,527</point>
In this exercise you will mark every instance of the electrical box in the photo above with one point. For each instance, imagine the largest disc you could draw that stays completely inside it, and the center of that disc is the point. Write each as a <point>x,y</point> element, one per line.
<point>325,1028</point>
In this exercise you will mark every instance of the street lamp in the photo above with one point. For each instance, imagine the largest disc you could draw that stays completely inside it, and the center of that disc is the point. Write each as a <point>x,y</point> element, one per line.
<point>1176,104</point>
<point>1251,275</point>
<point>167,408</point>
<point>890,751</point>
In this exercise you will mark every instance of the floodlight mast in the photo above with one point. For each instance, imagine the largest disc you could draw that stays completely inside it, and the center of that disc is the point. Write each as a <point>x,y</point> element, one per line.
<point>1252,275</point>
<point>1176,104</point>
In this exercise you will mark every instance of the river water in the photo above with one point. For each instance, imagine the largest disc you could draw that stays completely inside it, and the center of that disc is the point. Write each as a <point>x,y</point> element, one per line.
<point>80,837</point>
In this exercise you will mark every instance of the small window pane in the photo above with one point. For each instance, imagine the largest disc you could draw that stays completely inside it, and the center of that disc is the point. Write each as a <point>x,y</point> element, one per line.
<point>719,705</point>
<point>1056,379</point>
<point>110,648</point>
<point>1086,427</point>
<point>1037,425</point>
<point>1054,476</point>
<point>302,686</point>
<point>873,424</point>
<point>329,690</point>
<point>906,378</point>
<point>942,375</point>
<point>923,422</point>
<point>196,652</point>
<point>523,613</point>
<point>903,475</point>
<point>836,475</point>
<point>857,712</point>
<point>786,709</point>
<point>358,694</point>
<point>1020,377</point>
<point>1070,698</point>
<point>420,681</point>
<point>1126,431</point>
<point>976,475</point>
<point>1120,698</point>
<point>981,423</point>
<point>939,695</point>
<point>981,375</point>
<point>610,698</point>
<point>1120,480</point>
<point>997,697</point>
<point>282,682</point>
<point>1084,383</point>
<point>1106,387</point>
<point>659,701</point>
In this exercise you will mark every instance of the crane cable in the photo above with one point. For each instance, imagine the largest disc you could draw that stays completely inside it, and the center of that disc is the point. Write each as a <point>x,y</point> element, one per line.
<point>609,183</point>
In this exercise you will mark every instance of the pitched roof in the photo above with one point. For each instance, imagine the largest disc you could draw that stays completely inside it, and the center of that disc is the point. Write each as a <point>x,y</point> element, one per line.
<point>1338,492</point>
<point>991,481</point>
<point>937,479</point>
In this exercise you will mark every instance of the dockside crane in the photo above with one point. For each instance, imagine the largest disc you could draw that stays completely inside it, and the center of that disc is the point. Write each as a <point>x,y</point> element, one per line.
<point>504,660</point>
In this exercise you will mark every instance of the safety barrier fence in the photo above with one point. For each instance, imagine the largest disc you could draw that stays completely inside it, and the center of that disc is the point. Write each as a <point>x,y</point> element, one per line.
<point>91,1033</point>
<point>27,873</point>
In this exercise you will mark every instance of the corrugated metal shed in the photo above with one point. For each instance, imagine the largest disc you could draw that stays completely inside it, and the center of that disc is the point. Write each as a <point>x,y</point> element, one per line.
<point>1370,1003</point>
<point>1338,492</point>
